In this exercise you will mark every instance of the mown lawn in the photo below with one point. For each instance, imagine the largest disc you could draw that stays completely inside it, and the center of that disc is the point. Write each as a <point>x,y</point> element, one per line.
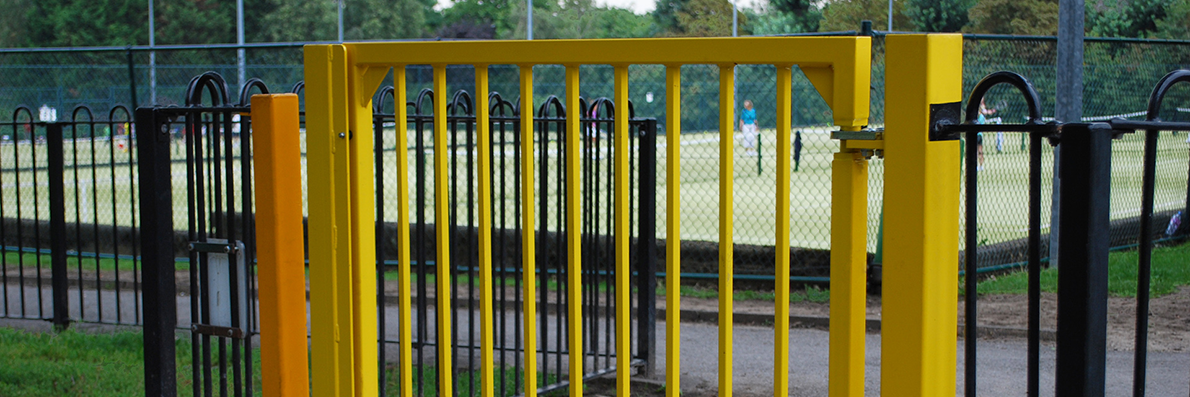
<point>1170,270</point>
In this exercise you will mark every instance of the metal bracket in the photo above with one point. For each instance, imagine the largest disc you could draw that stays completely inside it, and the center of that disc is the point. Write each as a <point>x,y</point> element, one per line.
<point>867,142</point>
<point>218,248</point>
<point>215,330</point>
<point>943,115</point>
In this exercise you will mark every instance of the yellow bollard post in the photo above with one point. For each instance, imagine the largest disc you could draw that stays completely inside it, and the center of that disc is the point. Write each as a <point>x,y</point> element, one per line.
<point>281,265</point>
<point>921,218</point>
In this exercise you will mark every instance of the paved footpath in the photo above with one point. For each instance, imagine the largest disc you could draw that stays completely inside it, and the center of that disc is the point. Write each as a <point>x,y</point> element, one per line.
<point>1002,362</point>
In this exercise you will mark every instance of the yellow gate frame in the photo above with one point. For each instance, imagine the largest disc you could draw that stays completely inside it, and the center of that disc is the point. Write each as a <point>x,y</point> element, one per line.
<point>340,81</point>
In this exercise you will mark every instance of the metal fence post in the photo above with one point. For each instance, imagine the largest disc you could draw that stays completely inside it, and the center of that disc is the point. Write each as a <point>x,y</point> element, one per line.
<point>157,272</point>
<point>54,157</point>
<point>646,316</point>
<point>1082,300</point>
<point>132,80</point>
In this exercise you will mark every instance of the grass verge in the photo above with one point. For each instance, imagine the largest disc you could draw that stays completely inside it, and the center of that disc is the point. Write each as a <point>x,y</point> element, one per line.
<point>1170,270</point>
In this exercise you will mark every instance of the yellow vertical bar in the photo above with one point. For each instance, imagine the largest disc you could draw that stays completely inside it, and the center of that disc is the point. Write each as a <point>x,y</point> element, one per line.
<point>726,175</point>
<point>330,258</point>
<point>404,268</point>
<point>781,318</point>
<point>673,235</point>
<point>362,204</point>
<point>921,218</point>
<point>279,246</point>
<point>442,232</point>
<point>849,254</point>
<point>486,321</point>
<point>574,272</point>
<point>623,272</point>
<point>528,232</point>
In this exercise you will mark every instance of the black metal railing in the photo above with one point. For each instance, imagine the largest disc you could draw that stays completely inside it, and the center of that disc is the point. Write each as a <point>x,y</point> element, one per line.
<point>1085,171</point>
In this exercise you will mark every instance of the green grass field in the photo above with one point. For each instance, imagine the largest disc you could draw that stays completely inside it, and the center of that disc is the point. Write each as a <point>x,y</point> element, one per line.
<point>80,364</point>
<point>96,194</point>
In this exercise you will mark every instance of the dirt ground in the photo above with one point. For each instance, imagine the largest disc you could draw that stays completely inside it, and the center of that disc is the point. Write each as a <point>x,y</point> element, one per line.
<point>1169,316</point>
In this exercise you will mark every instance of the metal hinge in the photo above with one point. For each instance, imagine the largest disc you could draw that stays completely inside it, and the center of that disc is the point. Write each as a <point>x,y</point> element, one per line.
<point>868,143</point>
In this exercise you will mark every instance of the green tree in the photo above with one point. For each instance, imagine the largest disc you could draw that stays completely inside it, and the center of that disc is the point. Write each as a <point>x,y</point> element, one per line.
<point>290,20</point>
<point>384,19</point>
<point>1020,17</point>
<point>12,23</point>
<point>696,18</point>
<point>1176,24</point>
<point>843,15</point>
<point>194,22</point>
<point>1130,18</point>
<point>786,16</point>
<point>938,15</point>
<point>485,12</point>
<point>67,23</point>
<point>578,19</point>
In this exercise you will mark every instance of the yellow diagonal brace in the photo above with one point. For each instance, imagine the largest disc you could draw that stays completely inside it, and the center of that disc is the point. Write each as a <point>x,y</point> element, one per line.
<point>528,232</point>
<point>442,232</point>
<point>921,218</point>
<point>623,246</point>
<point>574,208</point>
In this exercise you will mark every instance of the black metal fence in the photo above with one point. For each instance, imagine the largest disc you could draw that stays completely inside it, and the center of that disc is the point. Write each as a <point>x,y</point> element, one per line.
<point>1087,172</point>
<point>208,144</point>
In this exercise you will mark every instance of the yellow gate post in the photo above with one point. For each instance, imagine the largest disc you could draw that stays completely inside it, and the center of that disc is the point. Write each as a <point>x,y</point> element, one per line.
<point>922,218</point>
<point>342,264</point>
<point>281,265</point>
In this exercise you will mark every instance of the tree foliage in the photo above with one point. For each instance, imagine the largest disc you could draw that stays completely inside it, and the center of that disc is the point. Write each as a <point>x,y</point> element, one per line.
<point>384,19</point>
<point>1020,17</point>
<point>786,16</point>
<point>843,15</point>
<point>696,18</point>
<point>1130,18</point>
<point>938,15</point>
<point>66,23</point>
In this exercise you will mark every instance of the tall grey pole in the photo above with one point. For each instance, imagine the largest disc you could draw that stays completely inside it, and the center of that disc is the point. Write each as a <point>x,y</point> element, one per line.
<point>1068,96</point>
<point>890,15</point>
<point>152,59</point>
<point>735,21</point>
<point>341,6</point>
<point>529,19</point>
<point>240,39</point>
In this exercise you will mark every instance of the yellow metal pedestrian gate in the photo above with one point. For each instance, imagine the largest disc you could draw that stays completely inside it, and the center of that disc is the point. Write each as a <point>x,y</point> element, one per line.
<point>923,76</point>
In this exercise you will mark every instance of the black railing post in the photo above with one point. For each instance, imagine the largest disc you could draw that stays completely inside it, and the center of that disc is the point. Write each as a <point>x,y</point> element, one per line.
<point>54,157</point>
<point>647,270</point>
<point>131,79</point>
<point>157,255</point>
<point>1082,301</point>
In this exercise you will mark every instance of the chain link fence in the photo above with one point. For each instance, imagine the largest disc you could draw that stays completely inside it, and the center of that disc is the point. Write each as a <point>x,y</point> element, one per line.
<point>1118,77</point>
